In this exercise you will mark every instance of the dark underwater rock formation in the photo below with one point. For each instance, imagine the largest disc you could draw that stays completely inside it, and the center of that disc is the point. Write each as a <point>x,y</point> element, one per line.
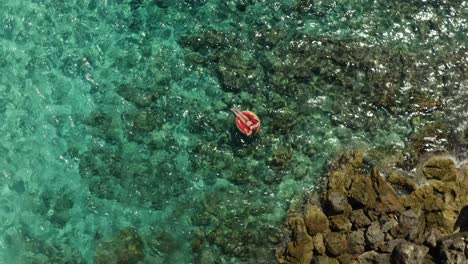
<point>382,226</point>
<point>125,248</point>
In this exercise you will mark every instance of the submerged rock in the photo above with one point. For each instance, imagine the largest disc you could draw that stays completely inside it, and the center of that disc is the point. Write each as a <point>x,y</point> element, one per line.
<point>125,248</point>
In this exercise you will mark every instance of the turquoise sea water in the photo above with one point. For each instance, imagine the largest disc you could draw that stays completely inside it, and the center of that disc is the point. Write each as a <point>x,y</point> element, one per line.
<point>115,114</point>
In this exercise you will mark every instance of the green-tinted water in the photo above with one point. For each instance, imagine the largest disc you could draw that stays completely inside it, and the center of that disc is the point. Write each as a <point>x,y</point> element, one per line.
<point>115,114</point>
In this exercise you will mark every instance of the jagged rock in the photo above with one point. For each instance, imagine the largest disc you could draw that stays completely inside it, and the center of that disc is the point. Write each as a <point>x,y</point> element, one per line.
<point>362,193</point>
<point>391,223</point>
<point>344,170</point>
<point>408,253</point>
<point>127,247</point>
<point>409,225</point>
<point>336,243</point>
<point>340,223</point>
<point>300,249</point>
<point>440,168</point>
<point>374,236</point>
<point>356,242</point>
<point>336,203</point>
<point>372,257</point>
<point>347,258</point>
<point>431,237</point>
<point>390,245</point>
<point>389,201</point>
<point>359,218</point>
<point>319,245</point>
<point>315,220</point>
<point>324,260</point>
<point>453,249</point>
<point>403,181</point>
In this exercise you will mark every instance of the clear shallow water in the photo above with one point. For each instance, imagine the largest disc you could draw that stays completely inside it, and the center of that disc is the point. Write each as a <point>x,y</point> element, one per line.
<point>107,123</point>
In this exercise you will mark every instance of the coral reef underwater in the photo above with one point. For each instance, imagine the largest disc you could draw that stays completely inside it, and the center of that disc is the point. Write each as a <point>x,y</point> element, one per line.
<point>152,168</point>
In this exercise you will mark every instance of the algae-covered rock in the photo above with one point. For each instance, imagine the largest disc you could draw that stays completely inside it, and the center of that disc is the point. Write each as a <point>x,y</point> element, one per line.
<point>238,72</point>
<point>336,203</point>
<point>125,248</point>
<point>361,193</point>
<point>336,243</point>
<point>403,181</point>
<point>386,196</point>
<point>300,250</point>
<point>324,260</point>
<point>319,245</point>
<point>344,170</point>
<point>440,168</point>
<point>340,223</point>
<point>315,220</point>
<point>281,156</point>
<point>139,97</point>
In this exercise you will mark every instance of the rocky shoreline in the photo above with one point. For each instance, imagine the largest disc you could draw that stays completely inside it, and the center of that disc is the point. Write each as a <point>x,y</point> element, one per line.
<point>364,217</point>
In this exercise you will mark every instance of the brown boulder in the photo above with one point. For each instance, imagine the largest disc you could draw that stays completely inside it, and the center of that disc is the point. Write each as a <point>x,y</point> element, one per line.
<point>319,245</point>
<point>300,249</point>
<point>336,203</point>
<point>340,223</point>
<point>372,257</point>
<point>344,170</point>
<point>315,220</point>
<point>410,226</point>
<point>361,193</point>
<point>324,260</point>
<point>440,168</point>
<point>336,243</point>
<point>359,219</point>
<point>388,200</point>
<point>374,236</point>
<point>356,242</point>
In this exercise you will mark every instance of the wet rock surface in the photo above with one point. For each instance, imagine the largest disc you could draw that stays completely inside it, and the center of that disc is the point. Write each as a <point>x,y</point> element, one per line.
<point>386,227</point>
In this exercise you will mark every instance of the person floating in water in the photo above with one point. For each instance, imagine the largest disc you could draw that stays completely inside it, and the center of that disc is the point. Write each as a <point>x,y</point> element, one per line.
<point>247,122</point>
